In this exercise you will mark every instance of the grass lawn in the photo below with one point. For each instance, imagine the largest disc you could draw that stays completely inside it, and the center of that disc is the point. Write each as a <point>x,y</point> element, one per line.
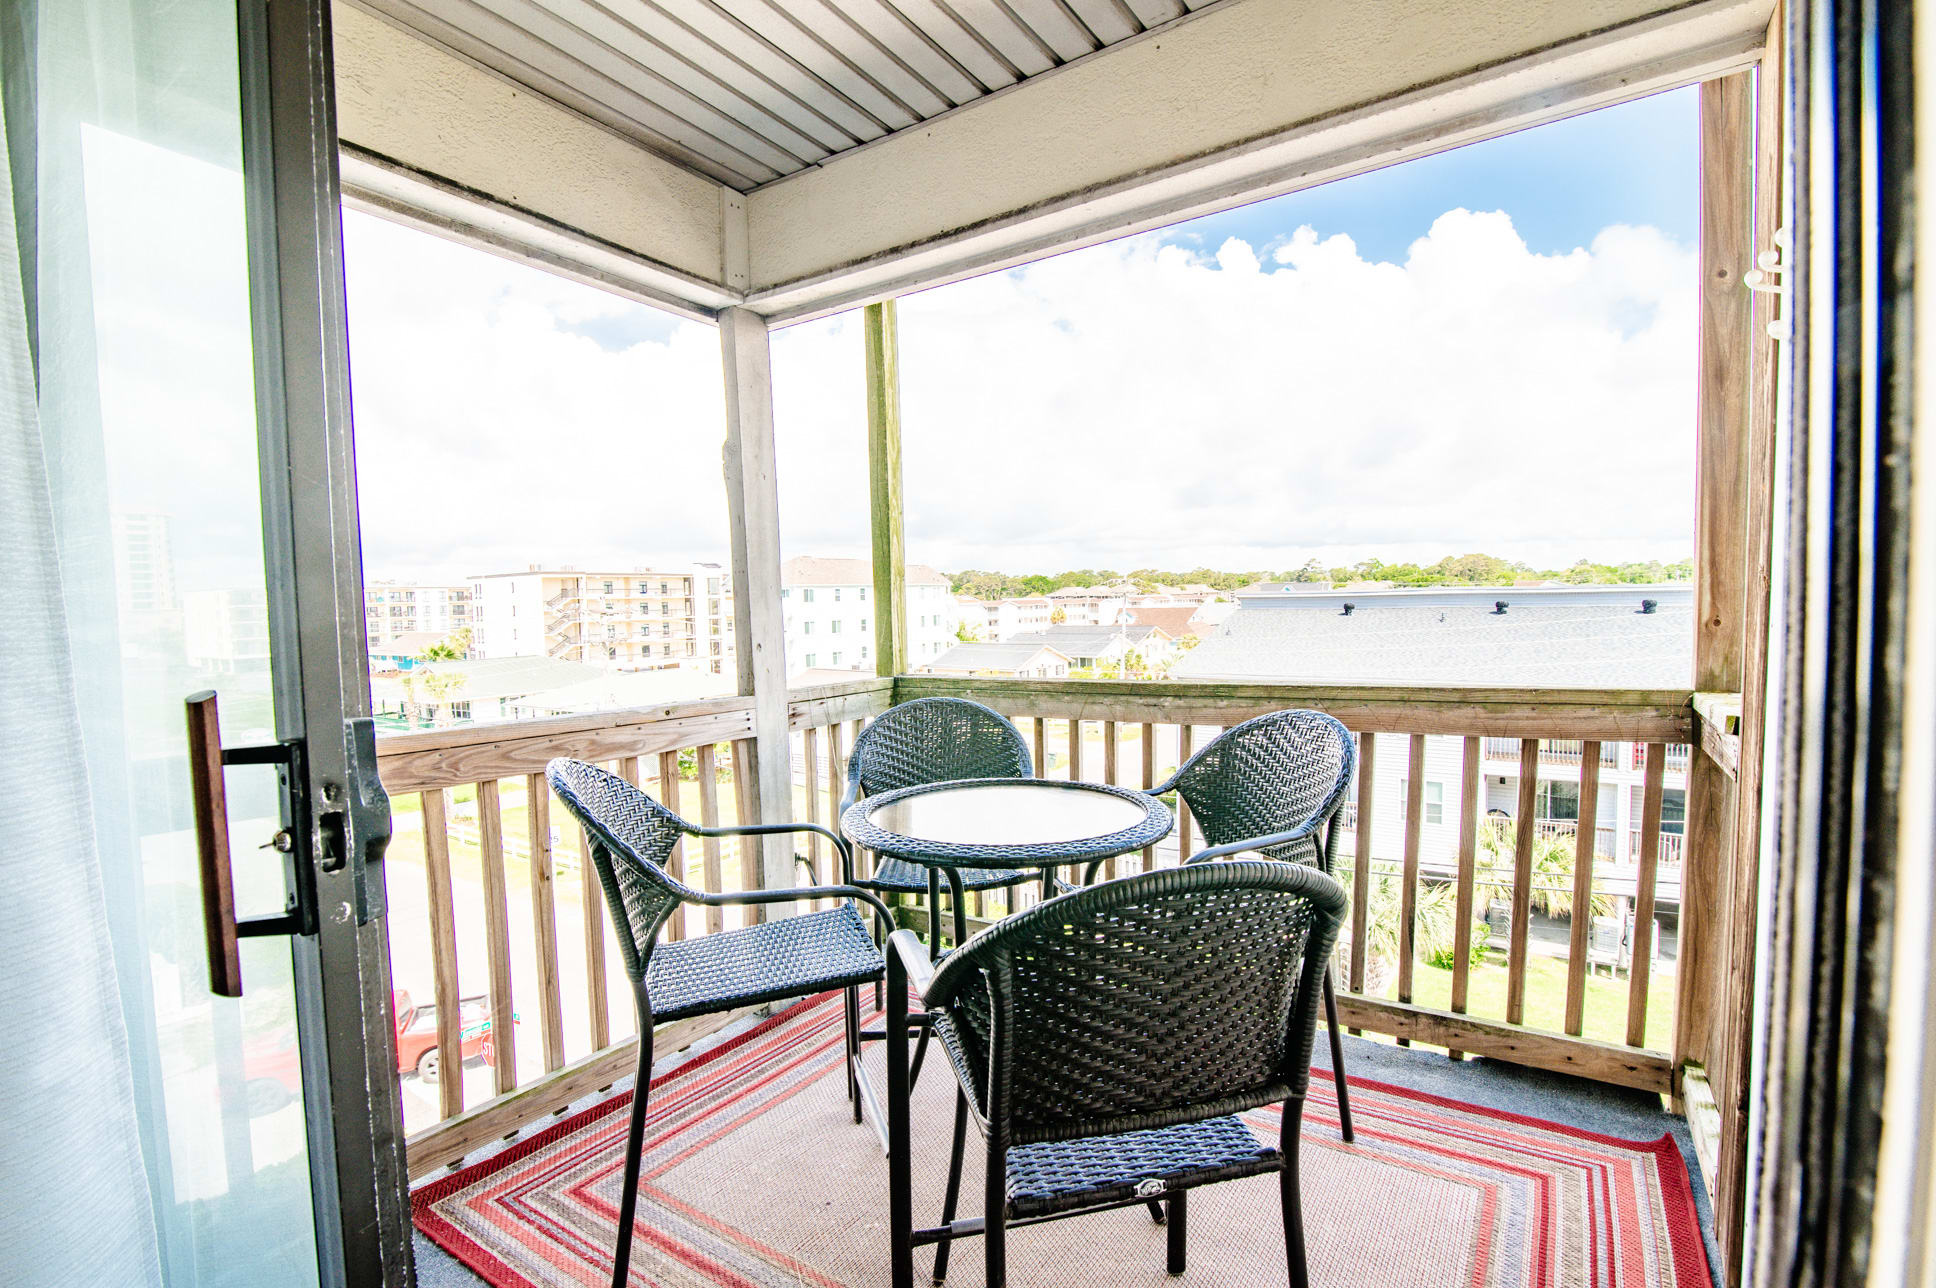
<point>1606,999</point>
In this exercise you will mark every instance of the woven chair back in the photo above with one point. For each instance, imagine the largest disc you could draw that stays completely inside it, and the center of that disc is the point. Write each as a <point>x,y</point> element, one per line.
<point>934,740</point>
<point>1269,775</point>
<point>1169,997</point>
<point>630,836</point>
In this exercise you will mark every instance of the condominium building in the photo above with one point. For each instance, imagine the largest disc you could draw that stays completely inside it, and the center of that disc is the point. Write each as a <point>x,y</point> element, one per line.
<point>830,614</point>
<point>392,608</point>
<point>636,619</point>
<point>995,620</point>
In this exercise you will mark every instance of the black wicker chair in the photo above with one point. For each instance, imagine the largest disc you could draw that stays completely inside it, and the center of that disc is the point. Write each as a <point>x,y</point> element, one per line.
<point>1273,786</point>
<point>1104,1042</point>
<point>630,836</point>
<point>934,740</point>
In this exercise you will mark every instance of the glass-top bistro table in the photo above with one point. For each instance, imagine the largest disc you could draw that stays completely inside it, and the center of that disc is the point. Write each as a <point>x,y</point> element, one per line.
<point>1018,823</point>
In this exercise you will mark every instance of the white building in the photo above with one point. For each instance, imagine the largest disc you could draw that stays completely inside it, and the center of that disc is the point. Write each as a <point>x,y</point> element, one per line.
<point>996,620</point>
<point>392,608</point>
<point>226,630</point>
<point>830,614</point>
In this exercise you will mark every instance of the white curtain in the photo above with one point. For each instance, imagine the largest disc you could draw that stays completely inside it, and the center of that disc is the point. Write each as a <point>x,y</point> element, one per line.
<point>75,1204</point>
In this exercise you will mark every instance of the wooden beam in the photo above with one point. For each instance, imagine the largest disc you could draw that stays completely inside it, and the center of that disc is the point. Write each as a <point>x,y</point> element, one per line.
<point>1720,542</point>
<point>753,511</point>
<point>880,332</point>
<point>1736,969</point>
<point>1586,1057</point>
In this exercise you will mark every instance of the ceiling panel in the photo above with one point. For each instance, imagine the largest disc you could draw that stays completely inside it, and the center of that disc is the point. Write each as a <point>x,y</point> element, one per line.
<point>749,91</point>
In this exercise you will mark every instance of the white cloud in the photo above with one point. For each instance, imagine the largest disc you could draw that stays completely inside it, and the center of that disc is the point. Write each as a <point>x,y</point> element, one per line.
<point>1133,404</point>
<point>506,417</point>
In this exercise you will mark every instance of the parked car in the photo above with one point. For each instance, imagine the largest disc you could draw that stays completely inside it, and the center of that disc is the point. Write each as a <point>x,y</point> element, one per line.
<point>272,1066</point>
<point>417,1033</point>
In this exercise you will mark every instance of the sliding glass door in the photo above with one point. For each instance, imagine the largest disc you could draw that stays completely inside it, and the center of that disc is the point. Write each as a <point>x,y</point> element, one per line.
<point>188,364</point>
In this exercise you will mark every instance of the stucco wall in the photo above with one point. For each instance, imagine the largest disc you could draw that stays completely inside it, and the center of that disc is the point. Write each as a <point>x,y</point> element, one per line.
<point>412,102</point>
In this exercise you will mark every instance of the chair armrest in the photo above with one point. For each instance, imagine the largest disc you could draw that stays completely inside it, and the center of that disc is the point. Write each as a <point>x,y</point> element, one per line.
<point>1302,832</point>
<point>907,945</point>
<point>844,850</point>
<point>802,892</point>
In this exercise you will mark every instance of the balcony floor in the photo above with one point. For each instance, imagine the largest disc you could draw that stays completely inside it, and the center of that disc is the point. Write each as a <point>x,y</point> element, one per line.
<point>1493,1084</point>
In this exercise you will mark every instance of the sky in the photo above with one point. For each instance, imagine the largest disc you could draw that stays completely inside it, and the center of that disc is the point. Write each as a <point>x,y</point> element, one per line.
<point>1490,349</point>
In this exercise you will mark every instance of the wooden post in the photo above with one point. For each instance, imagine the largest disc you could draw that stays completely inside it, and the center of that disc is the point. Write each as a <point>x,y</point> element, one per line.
<point>1735,969</point>
<point>881,335</point>
<point>753,509</point>
<point>1720,537</point>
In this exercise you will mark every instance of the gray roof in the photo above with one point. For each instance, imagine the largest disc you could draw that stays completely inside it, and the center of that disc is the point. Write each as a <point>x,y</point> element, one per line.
<point>1540,641</point>
<point>1084,641</point>
<point>1009,655</point>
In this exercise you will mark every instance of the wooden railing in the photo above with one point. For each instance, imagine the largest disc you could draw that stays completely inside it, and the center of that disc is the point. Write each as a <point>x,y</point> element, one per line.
<point>485,874</point>
<point>1133,733</point>
<point>481,866</point>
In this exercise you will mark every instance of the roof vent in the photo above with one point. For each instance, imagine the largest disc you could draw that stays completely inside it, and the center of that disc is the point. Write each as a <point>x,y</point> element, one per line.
<point>1499,606</point>
<point>1348,606</point>
<point>1649,605</point>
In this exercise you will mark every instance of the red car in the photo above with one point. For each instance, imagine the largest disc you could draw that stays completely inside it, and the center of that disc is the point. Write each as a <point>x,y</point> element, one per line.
<point>417,1033</point>
<point>273,1068</point>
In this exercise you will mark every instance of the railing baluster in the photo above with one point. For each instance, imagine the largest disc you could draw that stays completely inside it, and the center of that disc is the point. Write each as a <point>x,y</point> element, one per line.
<point>864,860</point>
<point>1185,742</point>
<point>443,955</point>
<point>837,782</point>
<point>1585,831</point>
<point>1522,897</point>
<point>1041,747</point>
<point>709,817</point>
<point>1109,759</point>
<point>810,757</point>
<point>544,920</point>
<point>1361,860</point>
<point>1149,781</point>
<point>1469,811</point>
<point>676,860</point>
<point>752,871</point>
<point>497,934</point>
<point>592,903</point>
<point>1640,968</point>
<point>1408,883</point>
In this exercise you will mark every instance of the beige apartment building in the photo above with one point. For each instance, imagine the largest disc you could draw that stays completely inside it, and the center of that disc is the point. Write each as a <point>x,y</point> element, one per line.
<point>636,619</point>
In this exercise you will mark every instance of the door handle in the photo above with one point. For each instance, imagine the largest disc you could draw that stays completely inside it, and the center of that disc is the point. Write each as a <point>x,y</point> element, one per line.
<point>222,929</point>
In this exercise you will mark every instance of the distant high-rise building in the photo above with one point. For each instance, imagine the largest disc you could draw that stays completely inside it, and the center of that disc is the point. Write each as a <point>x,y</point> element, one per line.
<point>636,619</point>
<point>144,563</point>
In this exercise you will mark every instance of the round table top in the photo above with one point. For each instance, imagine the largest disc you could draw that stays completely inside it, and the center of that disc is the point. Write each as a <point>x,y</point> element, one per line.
<point>1007,822</point>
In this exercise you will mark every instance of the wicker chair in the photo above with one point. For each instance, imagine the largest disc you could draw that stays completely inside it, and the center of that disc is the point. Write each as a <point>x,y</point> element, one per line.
<point>1273,786</point>
<point>630,837</point>
<point>933,740</point>
<point>1104,1042</point>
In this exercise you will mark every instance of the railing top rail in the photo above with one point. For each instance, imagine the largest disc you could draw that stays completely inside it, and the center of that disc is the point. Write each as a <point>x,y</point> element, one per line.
<point>1624,715</point>
<point>435,758</point>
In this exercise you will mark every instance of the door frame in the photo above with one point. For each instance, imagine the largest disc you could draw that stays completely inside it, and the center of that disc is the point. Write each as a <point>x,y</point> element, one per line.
<point>313,560</point>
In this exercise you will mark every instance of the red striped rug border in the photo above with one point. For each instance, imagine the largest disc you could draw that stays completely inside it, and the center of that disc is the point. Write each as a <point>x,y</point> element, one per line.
<point>1685,1241</point>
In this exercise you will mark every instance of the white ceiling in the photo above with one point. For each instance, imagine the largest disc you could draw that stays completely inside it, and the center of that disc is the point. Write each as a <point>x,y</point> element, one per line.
<point>748,91</point>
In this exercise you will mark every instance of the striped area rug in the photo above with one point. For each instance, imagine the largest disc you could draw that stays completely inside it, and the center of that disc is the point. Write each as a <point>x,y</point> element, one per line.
<point>756,1176</point>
